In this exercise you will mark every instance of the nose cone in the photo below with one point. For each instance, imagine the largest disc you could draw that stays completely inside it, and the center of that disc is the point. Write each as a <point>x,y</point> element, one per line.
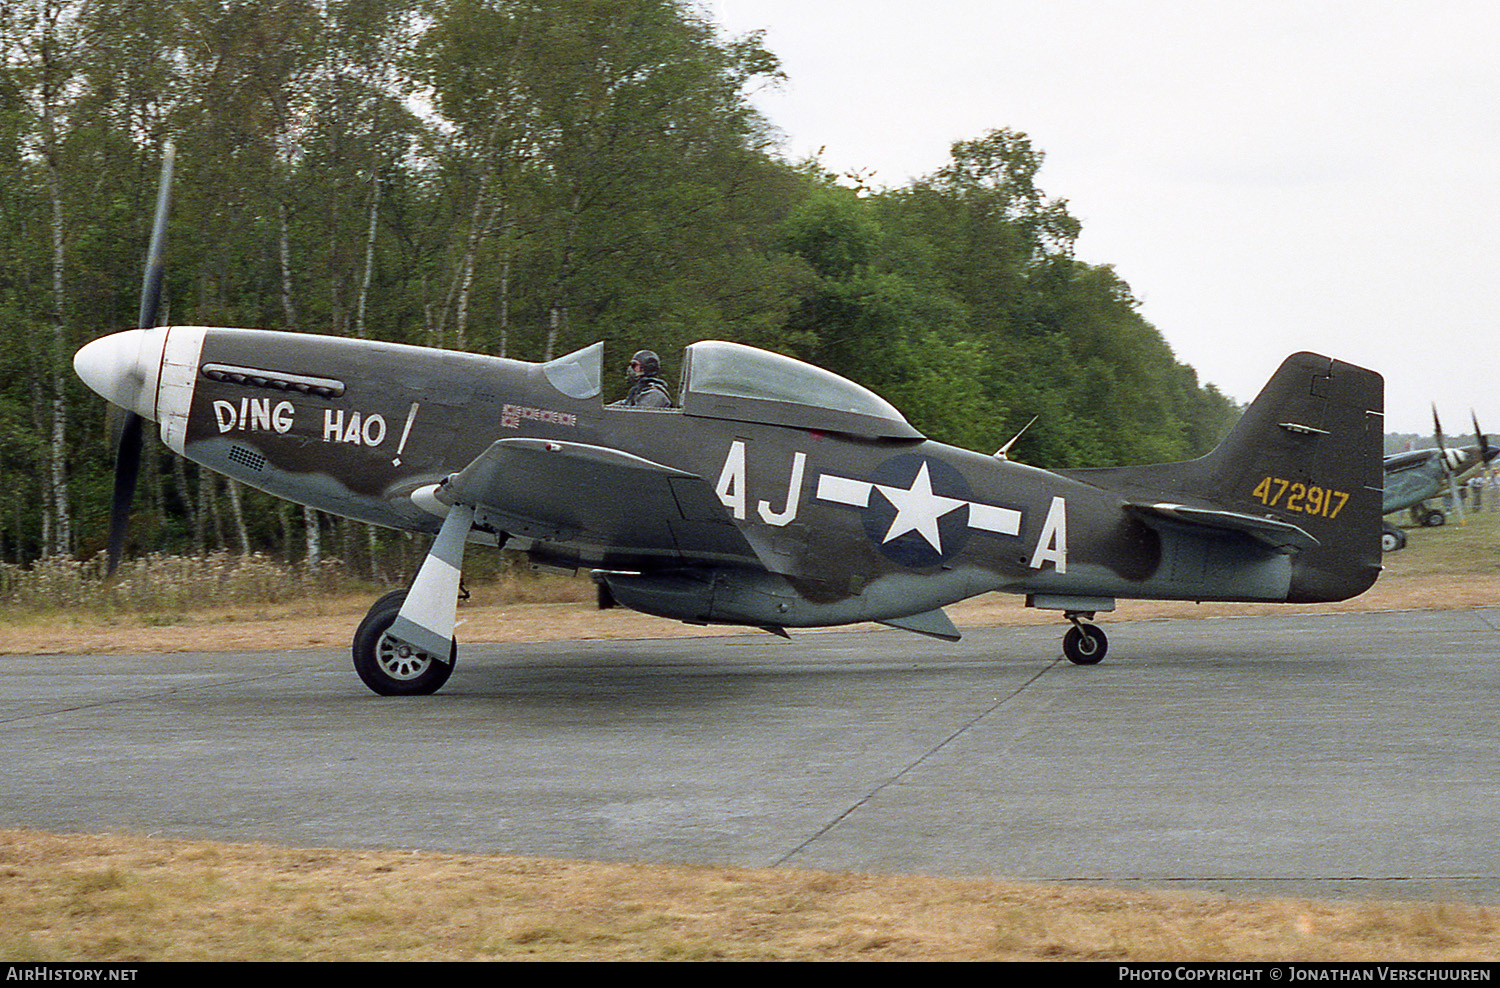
<point>124,368</point>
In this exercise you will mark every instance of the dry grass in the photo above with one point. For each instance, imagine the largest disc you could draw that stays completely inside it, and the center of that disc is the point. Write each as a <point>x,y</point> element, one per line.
<point>153,585</point>
<point>117,898</point>
<point>138,899</point>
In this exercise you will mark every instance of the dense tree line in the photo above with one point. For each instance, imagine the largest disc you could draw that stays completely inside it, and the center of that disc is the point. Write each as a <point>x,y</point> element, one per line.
<point>516,177</point>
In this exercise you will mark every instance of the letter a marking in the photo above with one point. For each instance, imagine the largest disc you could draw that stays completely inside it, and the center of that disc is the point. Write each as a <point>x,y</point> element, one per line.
<point>1053,542</point>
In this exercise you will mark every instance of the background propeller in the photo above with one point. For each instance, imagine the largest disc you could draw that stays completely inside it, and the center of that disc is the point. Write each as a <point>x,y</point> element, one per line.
<point>132,430</point>
<point>1447,465</point>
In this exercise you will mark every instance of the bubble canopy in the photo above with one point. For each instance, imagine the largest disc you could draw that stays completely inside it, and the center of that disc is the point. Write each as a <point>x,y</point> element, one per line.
<point>742,383</point>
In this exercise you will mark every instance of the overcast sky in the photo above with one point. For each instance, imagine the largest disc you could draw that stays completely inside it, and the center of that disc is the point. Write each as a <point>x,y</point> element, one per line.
<point>1268,176</point>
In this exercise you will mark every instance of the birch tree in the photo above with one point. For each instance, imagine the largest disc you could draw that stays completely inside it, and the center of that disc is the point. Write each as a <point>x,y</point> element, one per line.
<point>42,39</point>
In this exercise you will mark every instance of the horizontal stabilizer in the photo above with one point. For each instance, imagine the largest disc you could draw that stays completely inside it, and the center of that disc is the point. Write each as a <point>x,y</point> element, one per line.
<point>1280,535</point>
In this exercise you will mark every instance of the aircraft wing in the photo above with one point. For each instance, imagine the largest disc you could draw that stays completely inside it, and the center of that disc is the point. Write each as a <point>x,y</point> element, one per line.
<point>613,505</point>
<point>1279,535</point>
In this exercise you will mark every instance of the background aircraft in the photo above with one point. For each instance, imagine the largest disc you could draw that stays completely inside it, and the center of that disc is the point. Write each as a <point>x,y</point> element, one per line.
<point>776,495</point>
<point>1415,476</point>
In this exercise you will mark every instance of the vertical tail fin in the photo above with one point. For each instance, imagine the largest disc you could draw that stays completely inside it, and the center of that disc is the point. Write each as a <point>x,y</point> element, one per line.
<point>1309,450</point>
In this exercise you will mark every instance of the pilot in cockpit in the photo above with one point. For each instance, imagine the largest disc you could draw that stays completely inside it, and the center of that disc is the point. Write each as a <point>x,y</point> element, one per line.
<point>647,387</point>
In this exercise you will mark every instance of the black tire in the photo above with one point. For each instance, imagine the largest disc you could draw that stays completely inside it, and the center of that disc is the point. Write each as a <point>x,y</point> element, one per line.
<point>392,670</point>
<point>1085,644</point>
<point>1433,519</point>
<point>1392,540</point>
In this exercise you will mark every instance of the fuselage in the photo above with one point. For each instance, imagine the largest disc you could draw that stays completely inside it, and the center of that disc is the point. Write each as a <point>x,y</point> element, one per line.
<point>881,517</point>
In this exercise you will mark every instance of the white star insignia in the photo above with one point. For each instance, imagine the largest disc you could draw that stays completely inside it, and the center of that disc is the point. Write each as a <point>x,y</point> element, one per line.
<point>918,509</point>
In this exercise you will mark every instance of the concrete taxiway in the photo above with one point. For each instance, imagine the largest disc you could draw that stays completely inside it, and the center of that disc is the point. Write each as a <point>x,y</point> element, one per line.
<point>1329,756</point>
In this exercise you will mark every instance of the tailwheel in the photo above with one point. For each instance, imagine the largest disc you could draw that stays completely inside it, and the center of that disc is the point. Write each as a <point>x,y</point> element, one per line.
<point>391,667</point>
<point>1084,644</point>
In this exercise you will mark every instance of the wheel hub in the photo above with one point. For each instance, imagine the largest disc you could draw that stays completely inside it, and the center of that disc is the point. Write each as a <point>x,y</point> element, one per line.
<point>399,660</point>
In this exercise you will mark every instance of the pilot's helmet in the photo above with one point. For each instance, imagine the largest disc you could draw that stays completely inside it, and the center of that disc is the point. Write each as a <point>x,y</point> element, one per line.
<point>645,363</point>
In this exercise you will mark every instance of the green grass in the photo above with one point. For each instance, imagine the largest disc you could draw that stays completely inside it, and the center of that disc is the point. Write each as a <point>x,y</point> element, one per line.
<point>1470,546</point>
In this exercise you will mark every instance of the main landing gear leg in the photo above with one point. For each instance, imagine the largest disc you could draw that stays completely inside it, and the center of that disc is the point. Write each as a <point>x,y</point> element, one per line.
<point>1084,644</point>
<point>405,645</point>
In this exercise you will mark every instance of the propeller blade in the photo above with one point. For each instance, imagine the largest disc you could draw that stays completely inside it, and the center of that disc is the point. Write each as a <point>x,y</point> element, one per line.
<point>127,469</point>
<point>1446,466</point>
<point>128,451</point>
<point>151,284</point>
<point>1484,442</point>
<point>1458,505</point>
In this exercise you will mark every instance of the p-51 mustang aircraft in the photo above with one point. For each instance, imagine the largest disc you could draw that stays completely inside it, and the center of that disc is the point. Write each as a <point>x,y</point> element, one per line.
<point>778,495</point>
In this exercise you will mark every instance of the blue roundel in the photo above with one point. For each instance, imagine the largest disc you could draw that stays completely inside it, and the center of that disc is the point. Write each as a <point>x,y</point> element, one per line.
<point>918,513</point>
